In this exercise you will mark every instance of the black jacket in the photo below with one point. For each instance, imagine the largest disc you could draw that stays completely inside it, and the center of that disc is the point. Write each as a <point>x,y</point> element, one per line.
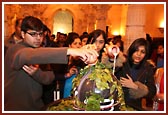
<point>144,79</point>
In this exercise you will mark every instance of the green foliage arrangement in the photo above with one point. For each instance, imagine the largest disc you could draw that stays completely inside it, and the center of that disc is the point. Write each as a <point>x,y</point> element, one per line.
<point>103,78</point>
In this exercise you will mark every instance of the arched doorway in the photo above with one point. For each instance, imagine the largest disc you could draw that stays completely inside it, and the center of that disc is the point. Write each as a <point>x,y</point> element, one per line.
<point>63,22</point>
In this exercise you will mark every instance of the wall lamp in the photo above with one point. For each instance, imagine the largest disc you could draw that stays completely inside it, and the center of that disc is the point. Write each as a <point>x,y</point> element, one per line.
<point>161,29</point>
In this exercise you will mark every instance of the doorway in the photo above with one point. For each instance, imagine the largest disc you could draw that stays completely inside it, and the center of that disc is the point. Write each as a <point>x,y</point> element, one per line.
<point>63,22</point>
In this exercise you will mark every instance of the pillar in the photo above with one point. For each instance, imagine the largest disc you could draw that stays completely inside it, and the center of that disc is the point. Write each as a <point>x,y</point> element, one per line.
<point>135,24</point>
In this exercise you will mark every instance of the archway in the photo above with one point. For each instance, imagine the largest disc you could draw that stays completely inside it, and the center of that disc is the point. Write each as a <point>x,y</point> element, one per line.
<point>63,22</point>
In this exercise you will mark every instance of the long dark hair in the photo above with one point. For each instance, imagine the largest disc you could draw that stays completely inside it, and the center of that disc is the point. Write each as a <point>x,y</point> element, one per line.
<point>134,46</point>
<point>71,38</point>
<point>94,35</point>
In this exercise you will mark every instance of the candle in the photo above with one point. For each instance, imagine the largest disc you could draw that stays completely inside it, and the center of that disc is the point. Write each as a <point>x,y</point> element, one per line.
<point>55,96</point>
<point>58,94</point>
<point>95,25</point>
<point>87,28</point>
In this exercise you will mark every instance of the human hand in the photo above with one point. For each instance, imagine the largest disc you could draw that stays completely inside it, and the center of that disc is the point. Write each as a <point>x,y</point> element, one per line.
<point>128,82</point>
<point>31,69</point>
<point>92,59</point>
<point>73,70</point>
<point>106,49</point>
<point>86,54</point>
<point>90,46</point>
<point>111,50</point>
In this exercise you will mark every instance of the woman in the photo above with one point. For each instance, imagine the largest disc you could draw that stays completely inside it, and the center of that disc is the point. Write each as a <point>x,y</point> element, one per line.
<point>98,37</point>
<point>137,75</point>
<point>74,64</point>
<point>158,55</point>
<point>84,39</point>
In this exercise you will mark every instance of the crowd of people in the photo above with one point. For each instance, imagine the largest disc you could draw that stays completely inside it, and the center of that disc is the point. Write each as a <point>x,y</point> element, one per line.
<point>38,63</point>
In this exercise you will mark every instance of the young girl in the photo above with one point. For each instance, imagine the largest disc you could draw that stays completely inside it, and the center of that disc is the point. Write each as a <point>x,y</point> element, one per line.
<point>98,37</point>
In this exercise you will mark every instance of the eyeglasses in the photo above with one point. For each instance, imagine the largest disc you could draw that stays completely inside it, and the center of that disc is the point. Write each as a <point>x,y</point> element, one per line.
<point>35,34</point>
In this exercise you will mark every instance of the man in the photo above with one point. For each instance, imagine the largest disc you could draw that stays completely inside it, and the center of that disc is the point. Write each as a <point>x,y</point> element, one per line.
<point>22,78</point>
<point>16,36</point>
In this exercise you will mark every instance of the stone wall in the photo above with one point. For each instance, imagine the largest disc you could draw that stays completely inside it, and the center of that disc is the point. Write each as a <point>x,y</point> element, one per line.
<point>87,17</point>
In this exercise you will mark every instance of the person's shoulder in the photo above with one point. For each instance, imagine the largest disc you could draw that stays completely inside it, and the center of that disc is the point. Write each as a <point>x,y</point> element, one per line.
<point>150,64</point>
<point>16,46</point>
<point>10,40</point>
<point>12,49</point>
<point>122,56</point>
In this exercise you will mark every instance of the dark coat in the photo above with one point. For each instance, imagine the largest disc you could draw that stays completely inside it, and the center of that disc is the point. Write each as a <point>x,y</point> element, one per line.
<point>145,81</point>
<point>10,41</point>
<point>21,91</point>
